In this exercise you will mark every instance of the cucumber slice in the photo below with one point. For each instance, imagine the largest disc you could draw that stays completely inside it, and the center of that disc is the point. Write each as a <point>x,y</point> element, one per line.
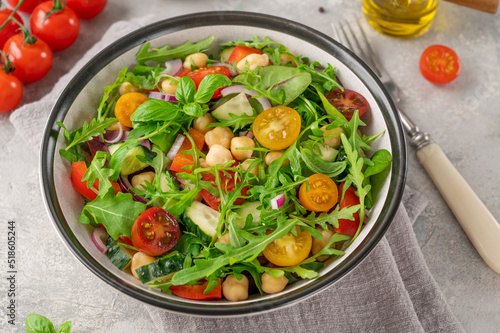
<point>161,268</point>
<point>326,153</point>
<point>117,255</point>
<point>114,147</point>
<point>249,209</point>
<point>238,105</point>
<point>201,221</point>
<point>131,163</point>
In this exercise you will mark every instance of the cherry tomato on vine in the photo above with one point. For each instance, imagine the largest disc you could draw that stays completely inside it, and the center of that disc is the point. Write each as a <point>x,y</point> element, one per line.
<point>289,250</point>
<point>11,28</point>
<point>59,30</point>
<point>11,91</point>
<point>32,61</point>
<point>27,6</point>
<point>87,9</point>
<point>322,195</point>
<point>439,64</point>
<point>348,101</point>
<point>277,128</point>
<point>348,227</point>
<point>155,232</point>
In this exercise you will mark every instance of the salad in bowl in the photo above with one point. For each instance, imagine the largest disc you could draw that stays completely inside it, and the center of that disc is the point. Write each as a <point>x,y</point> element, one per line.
<point>221,171</point>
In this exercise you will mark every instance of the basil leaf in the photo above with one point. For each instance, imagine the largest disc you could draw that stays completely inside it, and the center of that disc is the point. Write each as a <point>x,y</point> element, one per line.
<point>209,85</point>
<point>38,324</point>
<point>65,328</point>
<point>117,213</point>
<point>155,110</point>
<point>163,53</point>
<point>381,159</point>
<point>186,90</point>
<point>194,109</point>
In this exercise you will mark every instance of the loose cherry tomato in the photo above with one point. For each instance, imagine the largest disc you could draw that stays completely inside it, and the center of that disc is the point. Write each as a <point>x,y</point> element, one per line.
<point>289,250</point>
<point>322,195</point>
<point>439,64</point>
<point>199,74</point>
<point>11,91</point>
<point>241,52</point>
<point>228,185</point>
<point>27,6</point>
<point>59,30</point>
<point>78,169</point>
<point>11,28</point>
<point>348,227</point>
<point>196,291</point>
<point>277,128</point>
<point>155,232</point>
<point>347,102</point>
<point>32,61</point>
<point>87,9</point>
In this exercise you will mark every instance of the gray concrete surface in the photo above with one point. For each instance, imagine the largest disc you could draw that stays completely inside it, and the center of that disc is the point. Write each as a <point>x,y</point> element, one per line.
<point>462,116</point>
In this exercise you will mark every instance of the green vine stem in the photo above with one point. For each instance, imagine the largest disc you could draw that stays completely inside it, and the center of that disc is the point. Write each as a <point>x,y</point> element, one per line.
<point>11,16</point>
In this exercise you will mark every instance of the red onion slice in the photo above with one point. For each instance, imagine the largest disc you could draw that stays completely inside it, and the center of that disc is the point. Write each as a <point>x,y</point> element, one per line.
<point>278,201</point>
<point>99,237</point>
<point>118,137</point>
<point>236,90</point>
<point>173,67</point>
<point>175,147</point>
<point>264,102</point>
<point>161,96</point>
<point>128,188</point>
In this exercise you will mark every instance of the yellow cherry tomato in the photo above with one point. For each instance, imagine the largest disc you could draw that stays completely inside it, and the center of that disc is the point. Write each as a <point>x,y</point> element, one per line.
<point>322,195</point>
<point>126,105</point>
<point>277,128</point>
<point>289,250</point>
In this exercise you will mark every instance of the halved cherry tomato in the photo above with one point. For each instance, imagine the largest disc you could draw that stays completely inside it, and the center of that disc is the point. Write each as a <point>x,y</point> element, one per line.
<point>289,250</point>
<point>241,52</point>
<point>11,28</point>
<point>348,227</point>
<point>439,64</point>
<point>322,195</point>
<point>347,102</point>
<point>199,74</point>
<point>87,9</point>
<point>126,240</point>
<point>181,160</point>
<point>155,232</point>
<point>78,169</point>
<point>196,291</point>
<point>277,128</point>
<point>228,185</point>
<point>126,106</point>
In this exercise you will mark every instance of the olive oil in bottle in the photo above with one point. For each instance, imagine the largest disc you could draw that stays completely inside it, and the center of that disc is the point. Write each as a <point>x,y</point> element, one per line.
<point>400,18</point>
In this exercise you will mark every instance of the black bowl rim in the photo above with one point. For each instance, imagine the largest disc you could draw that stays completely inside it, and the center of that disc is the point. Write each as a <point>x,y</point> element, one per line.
<point>257,20</point>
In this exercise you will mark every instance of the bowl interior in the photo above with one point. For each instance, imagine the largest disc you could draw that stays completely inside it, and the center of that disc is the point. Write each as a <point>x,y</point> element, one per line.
<point>80,99</point>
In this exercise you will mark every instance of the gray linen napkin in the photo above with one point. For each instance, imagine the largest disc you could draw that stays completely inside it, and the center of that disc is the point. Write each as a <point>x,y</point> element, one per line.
<point>390,291</point>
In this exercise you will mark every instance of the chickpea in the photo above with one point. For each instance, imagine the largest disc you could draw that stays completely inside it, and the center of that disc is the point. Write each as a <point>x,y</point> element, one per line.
<point>138,260</point>
<point>218,155</point>
<point>196,59</point>
<point>203,163</point>
<point>246,164</point>
<point>273,156</point>
<point>332,136</point>
<point>140,179</point>
<point>242,142</point>
<point>219,136</point>
<point>253,61</point>
<point>272,285</point>
<point>319,244</point>
<point>169,86</point>
<point>226,53</point>
<point>285,59</point>
<point>224,238</point>
<point>127,87</point>
<point>200,123</point>
<point>235,290</point>
<point>114,127</point>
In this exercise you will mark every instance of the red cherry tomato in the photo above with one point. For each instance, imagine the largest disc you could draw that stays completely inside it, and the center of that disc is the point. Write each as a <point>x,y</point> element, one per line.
<point>241,52</point>
<point>439,64</point>
<point>347,102</point>
<point>59,30</point>
<point>11,92</point>
<point>126,240</point>
<point>199,74</point>
<point>32,61</point>
<point>27,6</point>
<point>11,28</point>
<point>348,227</point>
<point>155,232</point>
<point>227,186</point>
<point>87,9</point>
<point>196,291</point>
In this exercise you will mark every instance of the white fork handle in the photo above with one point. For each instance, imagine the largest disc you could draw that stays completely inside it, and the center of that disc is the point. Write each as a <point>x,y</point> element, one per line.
<point>476,220</point>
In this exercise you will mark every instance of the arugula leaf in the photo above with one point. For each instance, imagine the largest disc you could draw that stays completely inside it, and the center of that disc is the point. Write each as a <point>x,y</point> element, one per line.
<point>116,160</point>
<point>189,244</point>
<point>209,85</point>
<point>117,213</point>
<point>317,165</point>
<point>98,171</point>
<point>236,122</point>
<point>330,109</point>
<point>255,43</point>
<point>87,131</point>
<point>163,53</point>
<point>381,159</point>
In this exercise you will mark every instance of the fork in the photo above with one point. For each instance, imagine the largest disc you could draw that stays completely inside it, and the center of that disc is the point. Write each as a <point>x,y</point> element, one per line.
<point>474,217</point>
